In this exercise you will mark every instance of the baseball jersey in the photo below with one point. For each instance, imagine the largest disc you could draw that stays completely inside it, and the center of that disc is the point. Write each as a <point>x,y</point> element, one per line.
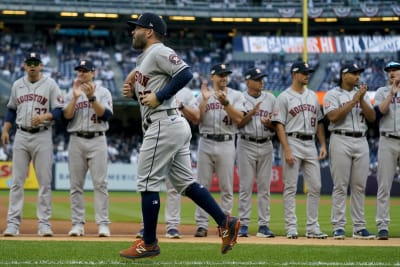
<point>255,128</point>
<point>391,121</point>
<point>215,119</point>
<point>30,99</point>
<point>156,60</point>
<point>354,120</point>
<point>299,113</point>
<point>85,118</point>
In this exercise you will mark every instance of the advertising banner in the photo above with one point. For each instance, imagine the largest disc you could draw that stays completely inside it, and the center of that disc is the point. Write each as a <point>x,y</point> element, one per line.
<point>5,176</point>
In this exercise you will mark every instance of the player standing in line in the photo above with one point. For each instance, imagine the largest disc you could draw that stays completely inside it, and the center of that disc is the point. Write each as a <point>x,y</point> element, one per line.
<point>255,153</point>
<point>187,105</point>
<point>88,107</point>
<point>158,76</point>
<point>387,107</point>
<point>348,108</point>
<point>298,117</point>
<point>34,102</point>
<point>221,109</point>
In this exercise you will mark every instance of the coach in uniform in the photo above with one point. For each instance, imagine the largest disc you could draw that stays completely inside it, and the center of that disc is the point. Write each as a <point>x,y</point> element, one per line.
<point>348,108</point>
<point>254,153</point>
<point>387,106</point>
<point>34,103</point>
<point>221,109</point>
<point>88,108</point>
<point>298,118</point>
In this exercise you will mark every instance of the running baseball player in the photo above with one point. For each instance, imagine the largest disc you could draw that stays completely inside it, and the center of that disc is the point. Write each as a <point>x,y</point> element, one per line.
<point>88,108</point>
<point>221,109</point>
<point>34,103</point>
<point>158,76</point>
<point>298,118</point>
<point>387,107</point>
<point>255,153</point>
<point>348,108</point>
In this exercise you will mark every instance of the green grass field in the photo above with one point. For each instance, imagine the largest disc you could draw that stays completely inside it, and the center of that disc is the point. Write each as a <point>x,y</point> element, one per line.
<point>125,207</point>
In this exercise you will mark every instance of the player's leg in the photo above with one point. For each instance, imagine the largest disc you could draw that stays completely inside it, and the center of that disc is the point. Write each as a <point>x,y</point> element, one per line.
<point>340,150</point>
<point>42,157</point>
<point>20,158</point>
<point>388,153</point>
<point>172,210</point>
<point>358,183</point>
<point>78,166</point>
<point>205,167</point>
<point>263,178</point>
<point>98,160</point>
<point>246,163</point>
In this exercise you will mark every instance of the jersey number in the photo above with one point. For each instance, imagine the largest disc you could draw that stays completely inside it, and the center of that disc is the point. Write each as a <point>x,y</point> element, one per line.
<point>40,110</point>
<point>227,120</point>
<point>142,94</point>
<point>95,119</point>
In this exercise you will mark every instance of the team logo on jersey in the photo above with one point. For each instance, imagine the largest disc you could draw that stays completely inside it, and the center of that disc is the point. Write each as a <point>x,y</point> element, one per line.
<point>327,104</point>
<point>60,99</point>
<point>174,59</point>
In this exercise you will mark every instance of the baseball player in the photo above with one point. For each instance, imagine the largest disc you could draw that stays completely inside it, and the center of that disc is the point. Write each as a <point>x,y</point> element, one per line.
<point>387,107</point>
<point>88,108</point>
<point>298,118</point>
<point>348,108</point>
<point>255,153</point>
<point>158,76</point>
<point>34,103</point>
<point>221,109</point>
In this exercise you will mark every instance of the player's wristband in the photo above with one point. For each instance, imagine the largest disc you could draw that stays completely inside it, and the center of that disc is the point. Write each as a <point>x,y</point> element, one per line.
<point>92,99</point>
<point>225,103</point>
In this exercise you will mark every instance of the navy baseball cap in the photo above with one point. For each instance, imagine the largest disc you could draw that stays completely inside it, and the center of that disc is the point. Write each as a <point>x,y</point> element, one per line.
<point>351,68</point>
<point>301,67</point>
<point>33,56</point>
<point>220,69</point>
<point>150,21</point>
<point>254,74</point>
<point>392,66</point>
<point>86,65</point>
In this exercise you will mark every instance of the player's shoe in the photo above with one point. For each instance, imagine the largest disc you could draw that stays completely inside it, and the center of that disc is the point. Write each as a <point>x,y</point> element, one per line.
<point>292,234</point>
<point>140,250</point>
<point>229,233</point>
<point>45,230</point>
<point>317,235</point>
<point>173,234</point>
<point>77,230</point>
<point>11,230</point>
<point>263,231</point>
<point>140,233</point>
<point>383,234</point>
<point>243,231</point>
<point>339,234</point>
<point>363,234</point>
<point>201,232</point>
<point>104,230</point>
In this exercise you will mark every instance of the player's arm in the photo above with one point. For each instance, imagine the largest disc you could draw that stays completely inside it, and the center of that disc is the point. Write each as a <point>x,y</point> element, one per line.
<point>281,133</point>
<point>368,110</point>
<point>190,113</point>
<point>321,139</point>
<point>11,115</point>
<point>248,116</point>
<point>206,94</point>
<point>341,112</point>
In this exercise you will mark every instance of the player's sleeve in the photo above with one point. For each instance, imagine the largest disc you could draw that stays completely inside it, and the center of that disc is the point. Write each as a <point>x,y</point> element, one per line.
<point>175,84</point>
<point>280,110</point>
<point>239,101</point>
<point>379,97</point>
<point>12,102</point>
<point>56,98</point>
<point>106,100</point>
<point>11,115</point>
<point>330,102</point>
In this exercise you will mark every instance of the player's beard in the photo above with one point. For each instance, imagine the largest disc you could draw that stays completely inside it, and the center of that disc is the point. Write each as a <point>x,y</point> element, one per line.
<point>138,42</point>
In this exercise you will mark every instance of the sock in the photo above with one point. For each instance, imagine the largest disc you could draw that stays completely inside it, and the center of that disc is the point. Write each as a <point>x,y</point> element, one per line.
<point>202,197</point>
<point>150,209</point>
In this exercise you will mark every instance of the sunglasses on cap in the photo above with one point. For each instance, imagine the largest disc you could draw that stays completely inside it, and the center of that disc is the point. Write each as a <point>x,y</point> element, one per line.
<point>32,63</point>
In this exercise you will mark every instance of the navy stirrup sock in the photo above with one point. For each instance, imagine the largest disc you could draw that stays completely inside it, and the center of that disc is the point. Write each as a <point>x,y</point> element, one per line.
<point>150,209</point>
<point>202,197</point>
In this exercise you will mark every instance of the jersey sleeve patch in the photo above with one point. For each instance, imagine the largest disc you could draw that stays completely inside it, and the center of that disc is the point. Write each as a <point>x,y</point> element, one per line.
<point>327,104</point>
<point>174,59</point>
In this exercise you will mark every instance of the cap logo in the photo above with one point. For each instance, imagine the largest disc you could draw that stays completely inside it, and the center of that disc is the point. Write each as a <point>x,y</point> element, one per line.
<point>258,71</point>
<point>151,25</point>
<point>248,77</point>
<point>345,70</point>
<point>306,65</point>
<point>83,62</point>
<point>33,55</point>
<point>223,66</point>
<point>295,69</point>
<point>355,66</point>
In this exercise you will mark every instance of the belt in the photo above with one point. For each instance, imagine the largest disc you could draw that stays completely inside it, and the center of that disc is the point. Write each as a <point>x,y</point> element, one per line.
<point>390,135</point>
<point>218,137</point>
<point>351,134</point>
<point>304,137</point>
<point>157,116</point>
<point>255,140</point>
<point>88,135</point>
<point>32,130</point>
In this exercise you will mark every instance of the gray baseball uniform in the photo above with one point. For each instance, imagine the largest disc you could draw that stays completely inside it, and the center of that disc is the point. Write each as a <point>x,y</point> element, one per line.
<point>349,158</point>
<point>216,152</point>
<point>388,155</point>
<point>87,150</point>
<point>32,143</point>
<point>254,158</point>
<point>173,199</point>
<point>300,114</point>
